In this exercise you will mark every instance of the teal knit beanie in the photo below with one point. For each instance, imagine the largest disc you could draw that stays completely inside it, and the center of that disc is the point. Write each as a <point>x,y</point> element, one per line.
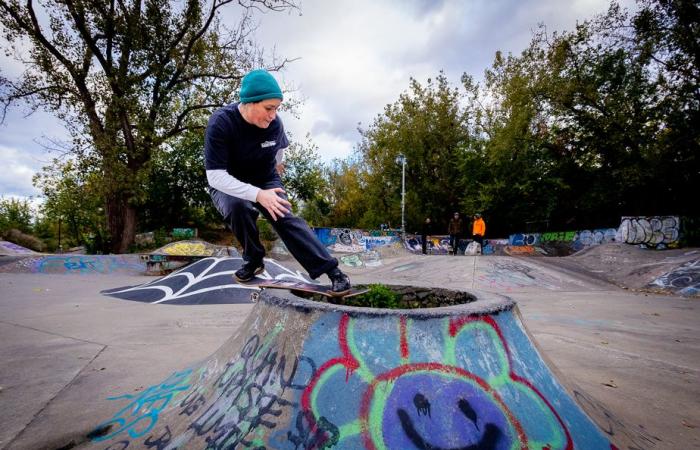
<point>259,85</point>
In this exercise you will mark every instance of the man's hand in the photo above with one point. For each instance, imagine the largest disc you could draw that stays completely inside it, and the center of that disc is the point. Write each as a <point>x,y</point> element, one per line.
<point>273,203</point>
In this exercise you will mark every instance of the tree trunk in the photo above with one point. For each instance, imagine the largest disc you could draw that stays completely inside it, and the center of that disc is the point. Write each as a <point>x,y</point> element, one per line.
<point>121,222</point>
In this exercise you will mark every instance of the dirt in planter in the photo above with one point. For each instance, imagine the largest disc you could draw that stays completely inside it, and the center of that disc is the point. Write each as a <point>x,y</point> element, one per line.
<point>399,297</point>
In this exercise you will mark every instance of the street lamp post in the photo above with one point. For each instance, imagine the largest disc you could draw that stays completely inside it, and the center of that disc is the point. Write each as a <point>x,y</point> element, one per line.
<point>60,247</point>
<point>402,158</point>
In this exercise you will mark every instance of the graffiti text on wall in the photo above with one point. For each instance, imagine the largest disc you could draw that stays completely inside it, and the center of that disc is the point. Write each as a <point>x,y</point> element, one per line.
<point>388,383</point>
<point>659,231</point>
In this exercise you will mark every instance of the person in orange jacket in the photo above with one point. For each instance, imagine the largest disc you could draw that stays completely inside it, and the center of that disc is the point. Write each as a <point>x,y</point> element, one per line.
<point>478,229</point>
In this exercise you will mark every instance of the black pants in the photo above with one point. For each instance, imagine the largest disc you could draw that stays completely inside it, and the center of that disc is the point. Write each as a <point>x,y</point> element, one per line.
<point>424,240</point>
<point>480,239</point>
<point>241,215</point>
<point>454,243</point>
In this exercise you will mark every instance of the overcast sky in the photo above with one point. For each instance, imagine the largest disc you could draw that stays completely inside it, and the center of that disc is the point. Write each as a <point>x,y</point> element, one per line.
<point>354,57</point>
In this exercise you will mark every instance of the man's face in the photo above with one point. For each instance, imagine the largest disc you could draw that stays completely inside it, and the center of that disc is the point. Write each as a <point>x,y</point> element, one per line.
<point>262,113</point>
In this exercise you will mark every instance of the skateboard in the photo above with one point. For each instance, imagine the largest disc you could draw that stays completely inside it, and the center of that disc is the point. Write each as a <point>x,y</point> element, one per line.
<point>300,287</point>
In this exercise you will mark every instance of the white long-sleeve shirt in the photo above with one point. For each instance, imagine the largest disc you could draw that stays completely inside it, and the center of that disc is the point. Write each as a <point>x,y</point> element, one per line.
<point>223,181</point>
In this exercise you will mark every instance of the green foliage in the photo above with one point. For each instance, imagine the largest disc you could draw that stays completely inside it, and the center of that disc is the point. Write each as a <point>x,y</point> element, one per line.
<point>126,78</point>
<point>346,195</point>
<point>15,214</point>
<point>378,296</point>
<point>177,187</point>
<point>581,128</point>
<point>25,240</point>
<point>303,172</point>
<point>73,207</point>
<point>431,125</point>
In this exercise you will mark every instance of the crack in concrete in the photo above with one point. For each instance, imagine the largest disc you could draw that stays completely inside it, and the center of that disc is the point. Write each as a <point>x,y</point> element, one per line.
<point>63,389</point>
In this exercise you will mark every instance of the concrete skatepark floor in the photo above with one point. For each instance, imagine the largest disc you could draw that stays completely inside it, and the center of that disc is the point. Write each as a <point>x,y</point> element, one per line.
<point>637,353</point>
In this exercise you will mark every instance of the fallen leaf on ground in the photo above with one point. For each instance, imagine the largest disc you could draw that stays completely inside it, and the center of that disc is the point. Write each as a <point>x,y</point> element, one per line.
<point>687,424</point>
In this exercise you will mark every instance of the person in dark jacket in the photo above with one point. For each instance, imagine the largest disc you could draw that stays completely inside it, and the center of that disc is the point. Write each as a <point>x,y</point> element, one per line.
<point>454,229</point>
<point>425,232</point>
<point>243,156</point>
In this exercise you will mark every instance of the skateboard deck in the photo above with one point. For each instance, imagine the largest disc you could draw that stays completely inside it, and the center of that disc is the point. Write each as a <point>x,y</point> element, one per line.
<point>300,286</point>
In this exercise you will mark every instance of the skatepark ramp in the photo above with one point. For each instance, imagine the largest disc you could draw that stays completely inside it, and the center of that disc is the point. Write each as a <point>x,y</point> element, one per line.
<point>308,375</point>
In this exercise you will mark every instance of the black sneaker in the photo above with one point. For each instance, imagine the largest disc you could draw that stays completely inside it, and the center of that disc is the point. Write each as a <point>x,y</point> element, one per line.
<point>248,271</point>
<point>340,283</point>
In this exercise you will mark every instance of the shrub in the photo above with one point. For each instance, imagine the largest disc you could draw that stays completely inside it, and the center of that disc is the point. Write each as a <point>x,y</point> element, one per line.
<point>378,296</point>
<point>25,240</point>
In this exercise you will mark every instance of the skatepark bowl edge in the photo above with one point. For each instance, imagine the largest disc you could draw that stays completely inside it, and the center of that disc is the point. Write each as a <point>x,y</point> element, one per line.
<point>304,374</point>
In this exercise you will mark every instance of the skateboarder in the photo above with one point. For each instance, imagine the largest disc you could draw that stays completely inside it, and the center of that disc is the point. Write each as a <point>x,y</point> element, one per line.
<point>243,156</point>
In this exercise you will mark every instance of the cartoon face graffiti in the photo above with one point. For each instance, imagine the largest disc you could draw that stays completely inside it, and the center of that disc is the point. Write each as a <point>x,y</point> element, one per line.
<point>442,410</point>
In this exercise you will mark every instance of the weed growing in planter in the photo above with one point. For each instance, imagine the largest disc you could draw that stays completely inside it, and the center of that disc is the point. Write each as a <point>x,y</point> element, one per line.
<point>379,296</point>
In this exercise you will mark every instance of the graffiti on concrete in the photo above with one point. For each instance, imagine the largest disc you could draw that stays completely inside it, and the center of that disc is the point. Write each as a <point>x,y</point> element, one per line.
<point>207,281</point>
<point>7,247</point>
<point>184,233</point>
<point>193,248</point>
<point>364,259</point>
<point>90,264</point>
<point>577,239</point>
<point>187,248</point>
<point>141,413</point>
<point>684,280</point>
<point>519,250</point>
<point>346,240</point>
<point>353,260</point>
<point>227,406</point>
<point>558,236</point>
<point>251,393</point>
<point>437,245</point>
<point>443,384</point>
<point>349,382</point>
<point>659,231</point>
<point>587,238</point>
<point>520,239</point>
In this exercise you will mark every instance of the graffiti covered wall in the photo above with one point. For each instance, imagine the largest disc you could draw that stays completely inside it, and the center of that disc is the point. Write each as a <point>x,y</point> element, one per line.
<point>10,248</point>
<point>577,239</point>
<point>346,240</point>
<point>657,232</point>
<point>78,265</point>
<point>300,379</point>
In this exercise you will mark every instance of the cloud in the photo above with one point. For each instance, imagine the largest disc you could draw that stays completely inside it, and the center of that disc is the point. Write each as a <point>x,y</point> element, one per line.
<point>18,169</point>
<point>356,56</point>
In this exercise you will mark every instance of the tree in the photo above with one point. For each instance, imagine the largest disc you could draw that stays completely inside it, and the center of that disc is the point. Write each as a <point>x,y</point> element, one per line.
<point>15,214</point>
<point>431,128</point>
<point>667,33</point>
<point>303,172</point>
<point>73,204</point>
<point>178,193</point>
<point>346,196</point>
<point>587,125</point>
<point>126,77</point>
